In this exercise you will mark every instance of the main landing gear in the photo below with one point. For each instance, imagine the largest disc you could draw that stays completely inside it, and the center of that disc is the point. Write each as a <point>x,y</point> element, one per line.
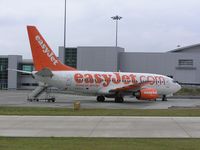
<point>100,98</point>
<point>164,98</point>
<point>118,99</point>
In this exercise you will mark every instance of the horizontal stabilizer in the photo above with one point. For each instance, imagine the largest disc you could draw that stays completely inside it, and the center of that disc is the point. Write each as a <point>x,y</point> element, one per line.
<point>45,73</point>
<point>22,71</point>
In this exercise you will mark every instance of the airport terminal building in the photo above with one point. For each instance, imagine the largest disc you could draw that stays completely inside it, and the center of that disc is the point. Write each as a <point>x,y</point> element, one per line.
<point>183,64</point>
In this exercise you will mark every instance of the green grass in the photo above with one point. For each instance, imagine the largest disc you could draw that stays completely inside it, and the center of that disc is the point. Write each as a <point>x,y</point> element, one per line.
<point>188,91</point>
<point>97,144</point>
<point>38,111</point>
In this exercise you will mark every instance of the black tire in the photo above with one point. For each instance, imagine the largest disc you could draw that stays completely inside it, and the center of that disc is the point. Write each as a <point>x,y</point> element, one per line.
<point>119,99</point>
<point>100,98</point>
<point>164,98</point>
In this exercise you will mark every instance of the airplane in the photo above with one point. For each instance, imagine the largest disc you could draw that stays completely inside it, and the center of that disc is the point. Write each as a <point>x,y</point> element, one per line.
<point>52,72</point>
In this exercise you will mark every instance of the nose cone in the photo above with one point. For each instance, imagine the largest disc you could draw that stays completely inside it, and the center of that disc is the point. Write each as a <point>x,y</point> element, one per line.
<point>178,87</point>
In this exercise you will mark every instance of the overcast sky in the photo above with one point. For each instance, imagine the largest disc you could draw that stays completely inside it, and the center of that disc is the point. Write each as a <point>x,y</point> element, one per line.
<point>147,25</point>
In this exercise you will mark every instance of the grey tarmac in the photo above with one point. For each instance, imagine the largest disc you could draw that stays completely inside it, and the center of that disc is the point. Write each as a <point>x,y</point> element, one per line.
<point>19,98</point>
<point>100,126</point>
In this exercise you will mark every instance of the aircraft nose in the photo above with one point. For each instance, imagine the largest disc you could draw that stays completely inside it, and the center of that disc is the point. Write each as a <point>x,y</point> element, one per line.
<point>178,87</point>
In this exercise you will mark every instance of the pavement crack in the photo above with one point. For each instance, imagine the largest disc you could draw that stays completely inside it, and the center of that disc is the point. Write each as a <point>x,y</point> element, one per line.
<point>98,122</point>
<point>178,124</point>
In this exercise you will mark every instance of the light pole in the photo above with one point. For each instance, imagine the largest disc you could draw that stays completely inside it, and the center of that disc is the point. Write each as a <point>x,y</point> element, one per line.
<point>65,26</point>
<point>116,18</point>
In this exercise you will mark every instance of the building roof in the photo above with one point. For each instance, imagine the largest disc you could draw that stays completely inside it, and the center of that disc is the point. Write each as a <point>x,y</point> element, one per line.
<point>27,61</point>
<point>185,48</point>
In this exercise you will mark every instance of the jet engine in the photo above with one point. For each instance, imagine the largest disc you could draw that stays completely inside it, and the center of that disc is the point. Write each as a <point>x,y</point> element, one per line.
<point>147,94</point>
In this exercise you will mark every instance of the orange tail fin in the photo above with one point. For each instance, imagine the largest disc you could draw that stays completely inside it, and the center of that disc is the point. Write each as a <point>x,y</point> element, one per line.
<point>43,56</point>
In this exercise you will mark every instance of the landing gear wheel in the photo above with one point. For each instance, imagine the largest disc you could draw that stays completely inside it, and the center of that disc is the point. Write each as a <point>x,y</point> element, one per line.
<point>119,99</point>
<point>164,98</point>
<point>100,98</point>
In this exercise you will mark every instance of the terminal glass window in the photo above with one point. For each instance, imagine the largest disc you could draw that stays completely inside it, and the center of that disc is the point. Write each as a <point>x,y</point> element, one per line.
<point>3,73</point>
<point>27,67</point>
<point>71,57</point>
<point>185,62</point>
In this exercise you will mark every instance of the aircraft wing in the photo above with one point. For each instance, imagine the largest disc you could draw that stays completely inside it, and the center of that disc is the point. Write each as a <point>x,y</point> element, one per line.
<point>130,88</point>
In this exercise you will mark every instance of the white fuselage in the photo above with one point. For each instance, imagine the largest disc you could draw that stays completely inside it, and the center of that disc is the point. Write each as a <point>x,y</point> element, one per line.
<point>100,83</point>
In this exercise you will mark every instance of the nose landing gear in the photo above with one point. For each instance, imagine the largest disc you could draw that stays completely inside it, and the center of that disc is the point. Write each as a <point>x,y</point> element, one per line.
<point>164,98</point>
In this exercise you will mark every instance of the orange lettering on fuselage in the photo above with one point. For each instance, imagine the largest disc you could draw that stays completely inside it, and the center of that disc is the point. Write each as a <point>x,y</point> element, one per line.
<point>107,79</point>
<point>88,78</point>
<point>159,80</point>
<point>78,78</point>
<point>133,78</point>
<point>126,79</point>
<point>116,78</point>
<point>151,79</point>
<point>98,78</point>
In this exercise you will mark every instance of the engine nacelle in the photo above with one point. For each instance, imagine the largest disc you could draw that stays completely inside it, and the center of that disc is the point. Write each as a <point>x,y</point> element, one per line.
<point>147,94</point>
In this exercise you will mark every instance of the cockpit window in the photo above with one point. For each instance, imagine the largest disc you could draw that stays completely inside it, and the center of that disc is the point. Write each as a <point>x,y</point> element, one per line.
<point>174,81</point>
